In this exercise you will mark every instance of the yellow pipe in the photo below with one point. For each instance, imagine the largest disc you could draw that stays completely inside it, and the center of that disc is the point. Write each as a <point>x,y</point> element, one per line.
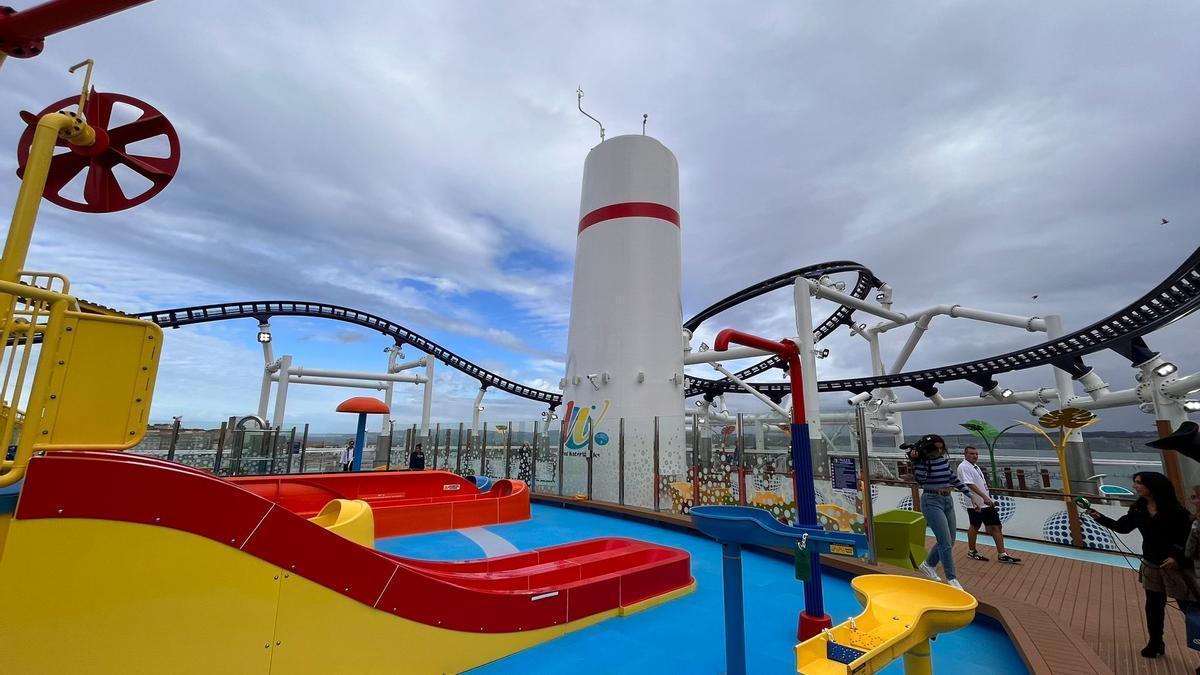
<point>918,660</point>
<point>76,131</point>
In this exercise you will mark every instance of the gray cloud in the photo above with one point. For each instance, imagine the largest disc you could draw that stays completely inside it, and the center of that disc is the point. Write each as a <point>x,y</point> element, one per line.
<point>968,153</point>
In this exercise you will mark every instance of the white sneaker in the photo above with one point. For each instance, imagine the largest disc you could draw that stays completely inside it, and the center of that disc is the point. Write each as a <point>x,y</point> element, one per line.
<point>954,583</point>
<point>929,571</point>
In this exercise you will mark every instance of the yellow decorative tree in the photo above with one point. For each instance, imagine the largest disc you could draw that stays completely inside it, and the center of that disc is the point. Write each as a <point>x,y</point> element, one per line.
<point>1068,421</point>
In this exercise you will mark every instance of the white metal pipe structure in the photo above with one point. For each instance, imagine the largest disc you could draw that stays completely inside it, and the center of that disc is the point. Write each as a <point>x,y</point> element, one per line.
<point>331,382</point>
<point>285,364</point>
<point>751,390</point>
<point>353,375</point>
<point>914,337</point>
<point>802,299</point>
<point>826,293</point>
<point>1115,399</point>
<point>427,401</point>
<point>711,356</point>
<point>1184,385</point>
<point>421,362</point>
<point>1169,414</point>
<point>1093,386</point>
<point>1078,459</point>
<point>1032,324</point>
<point>476,409</point>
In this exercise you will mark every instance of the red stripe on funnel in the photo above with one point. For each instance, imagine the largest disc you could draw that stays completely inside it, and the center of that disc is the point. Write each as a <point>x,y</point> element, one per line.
<point>630,210</point>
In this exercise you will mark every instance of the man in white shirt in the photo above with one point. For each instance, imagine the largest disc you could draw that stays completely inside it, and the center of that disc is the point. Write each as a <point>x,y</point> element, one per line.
<point>984,512</point>
<point>348,456</point>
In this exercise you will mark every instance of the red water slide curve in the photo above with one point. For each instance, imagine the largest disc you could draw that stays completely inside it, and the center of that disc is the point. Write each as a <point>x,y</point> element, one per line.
<point>520,592</point>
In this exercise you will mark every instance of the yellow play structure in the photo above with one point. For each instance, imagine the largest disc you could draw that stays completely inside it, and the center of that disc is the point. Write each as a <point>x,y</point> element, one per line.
<point>900,615</point>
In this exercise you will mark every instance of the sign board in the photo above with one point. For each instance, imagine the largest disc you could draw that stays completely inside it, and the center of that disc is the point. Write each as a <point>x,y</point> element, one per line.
<point>841,549</point>
<point>843,473</point>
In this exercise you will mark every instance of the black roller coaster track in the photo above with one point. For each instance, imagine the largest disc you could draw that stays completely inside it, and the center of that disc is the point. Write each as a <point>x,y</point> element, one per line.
<point>1177,296</point>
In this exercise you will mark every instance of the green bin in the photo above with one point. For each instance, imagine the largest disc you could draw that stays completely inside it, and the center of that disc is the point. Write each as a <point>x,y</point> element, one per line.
<point>900,538</point>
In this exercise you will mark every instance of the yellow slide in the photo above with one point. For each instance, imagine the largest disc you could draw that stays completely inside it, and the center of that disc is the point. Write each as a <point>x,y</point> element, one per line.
<point>899,616</point>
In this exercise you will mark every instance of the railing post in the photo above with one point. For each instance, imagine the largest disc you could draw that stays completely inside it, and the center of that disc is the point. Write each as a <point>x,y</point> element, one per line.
<point>590,454</point>
<point>458,455</point>
<point>483,449</point>
<point>220,448</point>
<point>657,479</point>
<point>562,437</point>
<point>1021,479</point>
<point>1045,478</point>
<point>174,440</point>
<point>291,440</point>
<point>508,451</point>
<point>739,449</point>
<point>1008,477</point>
<point>621,462</point>
<point>695,460</point>
<point>860,425</point>
<point>303,447</point>
<point>533,448</point>
<point>447,449</point>
<point>435,442</point>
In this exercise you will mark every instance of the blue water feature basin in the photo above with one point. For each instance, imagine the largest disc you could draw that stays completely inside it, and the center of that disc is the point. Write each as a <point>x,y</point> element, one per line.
<point>756,527</point>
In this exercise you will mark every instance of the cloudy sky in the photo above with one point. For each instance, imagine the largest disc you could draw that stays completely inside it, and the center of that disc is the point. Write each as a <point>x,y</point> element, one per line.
<point>422,161</point>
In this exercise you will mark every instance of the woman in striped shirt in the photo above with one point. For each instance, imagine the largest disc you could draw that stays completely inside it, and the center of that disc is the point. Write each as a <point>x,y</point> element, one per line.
<point>932,472</point>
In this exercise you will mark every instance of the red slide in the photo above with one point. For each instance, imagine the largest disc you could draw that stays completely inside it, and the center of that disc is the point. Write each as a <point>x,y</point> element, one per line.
<point>404,502</point>
<point>520,592</point>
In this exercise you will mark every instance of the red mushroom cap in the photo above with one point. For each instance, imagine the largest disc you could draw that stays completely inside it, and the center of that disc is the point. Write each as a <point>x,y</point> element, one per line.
<point>363,404</point>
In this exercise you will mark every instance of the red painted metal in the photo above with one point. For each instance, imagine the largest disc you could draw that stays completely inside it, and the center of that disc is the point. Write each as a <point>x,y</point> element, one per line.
<point>629,210</point>
<point>523,591</point>
<point>22,33</point>
<point>784,348</point>
<point>102,192</point>
<point>404,502</point>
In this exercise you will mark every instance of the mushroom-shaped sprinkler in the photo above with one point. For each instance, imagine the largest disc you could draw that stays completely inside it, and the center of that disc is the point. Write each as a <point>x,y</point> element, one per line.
<point>363,405</point>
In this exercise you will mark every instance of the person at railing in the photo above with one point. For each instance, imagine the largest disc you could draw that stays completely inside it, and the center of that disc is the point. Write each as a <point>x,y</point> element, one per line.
<point>416,460</point>
<point>348,456</point>
<point>931,470</point>
<point>984,514</point>
<point>1166,570</point>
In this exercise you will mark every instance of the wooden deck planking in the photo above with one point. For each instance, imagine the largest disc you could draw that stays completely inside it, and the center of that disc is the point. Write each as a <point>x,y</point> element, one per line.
<point>1101,604</point>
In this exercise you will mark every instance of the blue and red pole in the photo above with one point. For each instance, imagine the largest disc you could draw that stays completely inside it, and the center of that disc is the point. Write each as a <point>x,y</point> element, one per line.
<point>813,618</point>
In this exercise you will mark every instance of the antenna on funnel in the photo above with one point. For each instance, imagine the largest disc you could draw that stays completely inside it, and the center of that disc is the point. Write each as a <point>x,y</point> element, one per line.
<point>644,118</point>
<point>579,104</point>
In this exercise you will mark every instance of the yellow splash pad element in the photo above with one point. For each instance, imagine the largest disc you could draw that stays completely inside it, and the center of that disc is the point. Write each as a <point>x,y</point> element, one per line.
<point>899,616</point>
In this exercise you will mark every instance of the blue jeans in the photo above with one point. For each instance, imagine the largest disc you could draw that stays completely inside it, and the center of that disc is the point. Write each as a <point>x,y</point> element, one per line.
<point>939,516</point>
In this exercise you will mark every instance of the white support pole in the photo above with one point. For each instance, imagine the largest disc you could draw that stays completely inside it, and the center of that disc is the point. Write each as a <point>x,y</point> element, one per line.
<point>476,409</point>
<point>427,401</point>
<point>751,390</point>
<point>1078,458</point>
<point>1184,385</point>
<point>913,338</point>
<point>387,401</point>
<point>808,361</point>
<point>264,394</point>
<point>285,364</point>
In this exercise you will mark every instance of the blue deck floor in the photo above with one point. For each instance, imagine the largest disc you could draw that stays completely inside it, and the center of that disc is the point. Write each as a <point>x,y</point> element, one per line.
<point>687,635</point>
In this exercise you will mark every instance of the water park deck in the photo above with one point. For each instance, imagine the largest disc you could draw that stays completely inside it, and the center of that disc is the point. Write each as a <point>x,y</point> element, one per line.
<point>1065,616</point>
